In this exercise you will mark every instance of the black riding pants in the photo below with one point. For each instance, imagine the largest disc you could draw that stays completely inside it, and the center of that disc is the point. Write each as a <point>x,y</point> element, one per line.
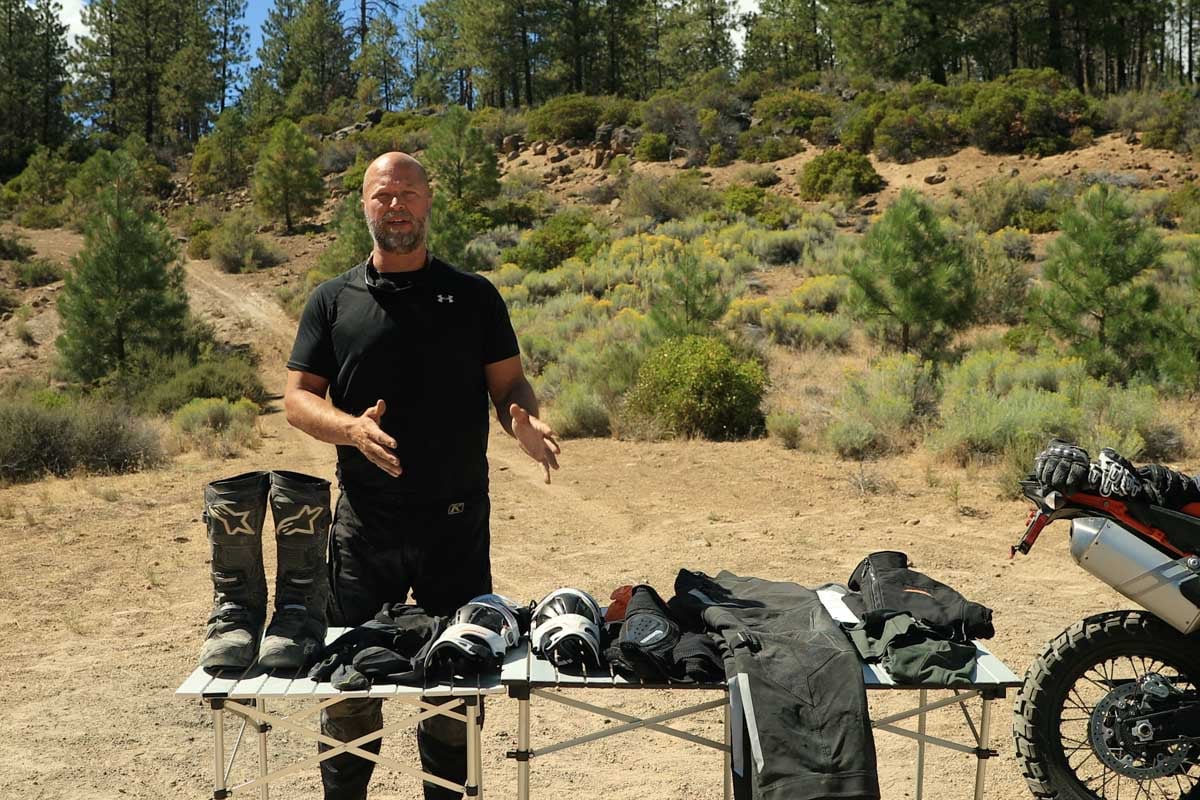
<point>380,550</point>
<point>798,683</point>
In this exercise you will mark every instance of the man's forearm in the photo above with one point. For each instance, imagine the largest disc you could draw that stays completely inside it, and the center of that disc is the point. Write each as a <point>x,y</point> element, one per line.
<point>317,417</point>
<point>521,394</point>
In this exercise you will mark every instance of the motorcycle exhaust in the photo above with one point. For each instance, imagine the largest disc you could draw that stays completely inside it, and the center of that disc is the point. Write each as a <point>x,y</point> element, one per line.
<point>1164,586</point>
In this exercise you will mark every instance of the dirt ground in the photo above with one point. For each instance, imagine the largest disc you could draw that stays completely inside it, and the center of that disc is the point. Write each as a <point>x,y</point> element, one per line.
<point>104,588</point>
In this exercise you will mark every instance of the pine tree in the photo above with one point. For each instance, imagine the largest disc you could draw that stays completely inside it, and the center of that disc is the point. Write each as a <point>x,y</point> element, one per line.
<point>232,42</point>
<point>146,67</point>
<point>219,162</point>
<point>462,163</point>
<point>787,38</point>
<point>287,180</point>
<point>689,299</point>
<point>125,292</point>
<point>901,38</point>
<point>323,48</point>
<point>33,72</point>
<point>1097,295</point>
<point>381,61</point>
<point>912,281</point>
<point>697,38</point>
<point>280,67</point>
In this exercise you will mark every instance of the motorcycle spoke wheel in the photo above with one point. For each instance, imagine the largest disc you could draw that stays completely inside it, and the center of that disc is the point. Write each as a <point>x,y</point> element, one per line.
<point>1079,727</point>
<point>1103,769</point>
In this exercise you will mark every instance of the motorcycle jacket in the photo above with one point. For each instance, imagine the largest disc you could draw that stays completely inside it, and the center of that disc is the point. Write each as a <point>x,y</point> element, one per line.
<point>885,583</point>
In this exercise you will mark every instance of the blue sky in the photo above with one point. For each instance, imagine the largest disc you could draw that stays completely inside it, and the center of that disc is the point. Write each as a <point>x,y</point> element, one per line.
<point>256,13</point>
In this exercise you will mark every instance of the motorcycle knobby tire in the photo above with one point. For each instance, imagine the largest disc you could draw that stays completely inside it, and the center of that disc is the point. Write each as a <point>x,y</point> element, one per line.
<point>1040,753</point>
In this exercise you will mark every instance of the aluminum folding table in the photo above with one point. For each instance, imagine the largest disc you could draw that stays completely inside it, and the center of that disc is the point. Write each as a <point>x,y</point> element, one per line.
<point>526,676</point>
<point>246,695</point>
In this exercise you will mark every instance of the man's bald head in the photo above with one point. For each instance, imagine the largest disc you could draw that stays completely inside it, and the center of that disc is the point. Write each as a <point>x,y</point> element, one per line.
<point>396,200</point>
<point>394,166</point>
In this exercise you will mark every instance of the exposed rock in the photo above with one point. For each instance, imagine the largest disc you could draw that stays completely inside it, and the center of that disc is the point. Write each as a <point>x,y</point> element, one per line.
<point>511,144</point>
<point>558,155</point>
<point>1133,138</point>
<point>942,168</point>
<point>514,155</point>
<point>615,203</point>
<point>623,139</point>
<point>374,116</point>
<point>565,169</point>
<point>1014,172</point>
<point>575,151</point>
<point>604,133</point>
<point>936,177</point>
<point>597,159</point>
<point>540,148</point>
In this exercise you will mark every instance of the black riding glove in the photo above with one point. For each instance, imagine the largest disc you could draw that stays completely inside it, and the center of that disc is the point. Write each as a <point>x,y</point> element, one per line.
<point>1166,487</point>
<point>1116,475</point>
<point>1062,467</point>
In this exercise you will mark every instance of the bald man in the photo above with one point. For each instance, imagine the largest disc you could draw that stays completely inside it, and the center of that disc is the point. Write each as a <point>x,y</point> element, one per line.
<point>408,349</point>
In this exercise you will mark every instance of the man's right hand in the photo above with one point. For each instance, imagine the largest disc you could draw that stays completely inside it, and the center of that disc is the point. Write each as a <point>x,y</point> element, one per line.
<point>372,442</point>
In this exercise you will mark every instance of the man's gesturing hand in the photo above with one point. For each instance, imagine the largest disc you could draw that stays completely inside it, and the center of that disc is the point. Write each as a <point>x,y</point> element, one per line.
<point>369,438</point>
<point>535,437</point>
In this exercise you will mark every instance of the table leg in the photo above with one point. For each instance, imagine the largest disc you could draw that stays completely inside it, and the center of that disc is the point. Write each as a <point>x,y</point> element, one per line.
<point>262,748</point>
<point>728,779</point>
<point>218,713</point>
<point>523,747</point>
<point>923,697</point>
<point>473,788</point>
<point>985,725</point>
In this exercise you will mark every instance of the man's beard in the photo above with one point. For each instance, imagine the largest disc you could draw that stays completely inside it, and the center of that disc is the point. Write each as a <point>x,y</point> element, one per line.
<point>397,241</point>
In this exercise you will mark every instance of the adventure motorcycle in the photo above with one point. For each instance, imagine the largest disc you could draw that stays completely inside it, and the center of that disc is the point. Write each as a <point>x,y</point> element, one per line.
<point>1111,708</point>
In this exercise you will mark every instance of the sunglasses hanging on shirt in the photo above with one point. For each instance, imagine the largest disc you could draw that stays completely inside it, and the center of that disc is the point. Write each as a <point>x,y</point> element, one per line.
<point>393,282</point>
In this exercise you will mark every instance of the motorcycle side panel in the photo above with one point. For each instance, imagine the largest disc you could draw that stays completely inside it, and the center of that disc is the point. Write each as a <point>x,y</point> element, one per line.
<point>1136,569</point>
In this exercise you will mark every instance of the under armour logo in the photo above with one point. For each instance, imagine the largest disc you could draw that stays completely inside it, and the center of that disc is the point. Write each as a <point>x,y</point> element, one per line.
<point>445,298</point>
<point>455,508</point>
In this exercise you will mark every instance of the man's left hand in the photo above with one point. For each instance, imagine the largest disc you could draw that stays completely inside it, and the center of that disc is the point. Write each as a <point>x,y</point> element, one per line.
<point>535,437</point>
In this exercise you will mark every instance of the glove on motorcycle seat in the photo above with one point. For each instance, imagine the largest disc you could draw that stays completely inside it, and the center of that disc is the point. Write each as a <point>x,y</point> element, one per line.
<point>648,637</point>
<point>1062,467</point>
<point>1168,488</point>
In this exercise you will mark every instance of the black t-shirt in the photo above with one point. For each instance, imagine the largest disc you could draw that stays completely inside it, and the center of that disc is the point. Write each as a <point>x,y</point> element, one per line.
<point>421,348</point>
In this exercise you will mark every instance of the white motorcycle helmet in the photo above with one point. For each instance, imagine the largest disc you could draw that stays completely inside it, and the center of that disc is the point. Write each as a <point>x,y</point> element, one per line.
<point>465,648</point>
<point>496,613</point>
<point>566,628</point>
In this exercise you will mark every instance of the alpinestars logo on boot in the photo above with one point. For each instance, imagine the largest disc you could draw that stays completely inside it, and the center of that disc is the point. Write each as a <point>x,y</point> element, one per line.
<point>445,298</point>
<point>225,514</point>
<point>309,513</point>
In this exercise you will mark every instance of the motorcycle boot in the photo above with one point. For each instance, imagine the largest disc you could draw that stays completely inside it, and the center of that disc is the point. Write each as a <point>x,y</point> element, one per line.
<point>234,509</point>
<point>300,507</point>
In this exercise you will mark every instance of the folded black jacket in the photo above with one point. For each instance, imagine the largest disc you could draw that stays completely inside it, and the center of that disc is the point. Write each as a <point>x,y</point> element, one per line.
<point>886,583</point>
<point>390,648</point>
